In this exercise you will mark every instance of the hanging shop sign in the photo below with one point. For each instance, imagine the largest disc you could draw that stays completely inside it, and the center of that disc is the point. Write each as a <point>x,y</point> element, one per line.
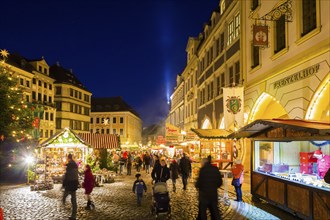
<point>260,35</point>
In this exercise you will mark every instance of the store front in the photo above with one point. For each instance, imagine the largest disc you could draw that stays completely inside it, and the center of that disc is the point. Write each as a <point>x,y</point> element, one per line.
<point>289,158</point>
<point>214,142</point>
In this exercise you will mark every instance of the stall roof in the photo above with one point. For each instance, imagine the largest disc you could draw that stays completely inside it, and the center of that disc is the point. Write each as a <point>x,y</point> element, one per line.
<point>211,133</point>
<point>261,126</point>
<point>98,141</point>
<point>64,138</point>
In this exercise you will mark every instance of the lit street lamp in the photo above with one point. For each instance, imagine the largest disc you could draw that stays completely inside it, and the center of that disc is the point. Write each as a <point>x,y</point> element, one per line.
<point>28,160</point>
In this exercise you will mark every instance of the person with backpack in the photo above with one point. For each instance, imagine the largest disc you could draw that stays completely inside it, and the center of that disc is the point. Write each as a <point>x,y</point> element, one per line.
<point>138,187</point>
<point>174,173</point>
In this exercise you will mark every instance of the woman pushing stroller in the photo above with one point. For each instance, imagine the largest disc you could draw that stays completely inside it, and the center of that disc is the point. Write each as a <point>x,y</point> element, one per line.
<point>160,173</point>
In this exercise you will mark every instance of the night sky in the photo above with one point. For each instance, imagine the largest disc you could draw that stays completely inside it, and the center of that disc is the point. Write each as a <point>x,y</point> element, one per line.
<point>128,48</point>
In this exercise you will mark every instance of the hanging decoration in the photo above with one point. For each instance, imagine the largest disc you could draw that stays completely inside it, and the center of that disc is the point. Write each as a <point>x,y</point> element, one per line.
<point>320,143</point>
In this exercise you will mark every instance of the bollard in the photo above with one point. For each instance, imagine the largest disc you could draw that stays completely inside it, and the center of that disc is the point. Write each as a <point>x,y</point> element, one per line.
<point>1,214</point>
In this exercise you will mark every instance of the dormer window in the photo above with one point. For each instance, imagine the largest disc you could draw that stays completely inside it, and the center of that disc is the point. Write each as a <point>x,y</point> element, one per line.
<point>40,68</point>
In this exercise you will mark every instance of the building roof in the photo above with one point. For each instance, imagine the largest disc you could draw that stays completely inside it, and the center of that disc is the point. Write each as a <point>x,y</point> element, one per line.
<point>66,76</point>
<point>258,127</point>
<point>20,62</point>
<point>211,133</point>
<point>111,104</point>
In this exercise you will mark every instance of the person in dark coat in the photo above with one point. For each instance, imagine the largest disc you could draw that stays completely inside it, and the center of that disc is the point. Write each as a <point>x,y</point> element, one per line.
<point>185,170</point>
<point>88,185</point>
<point>207,184</point>
<point>146,161</point>
<point>70,185</point>
<point>174,173</point>
<point>161,173</point>
<point>129,164</point>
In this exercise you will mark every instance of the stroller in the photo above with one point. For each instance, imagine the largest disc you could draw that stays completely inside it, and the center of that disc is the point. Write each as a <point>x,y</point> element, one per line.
<point>160,199</point>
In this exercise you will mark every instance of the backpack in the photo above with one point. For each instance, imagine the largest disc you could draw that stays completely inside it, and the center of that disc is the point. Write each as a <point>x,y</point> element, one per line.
<point>139,187</point>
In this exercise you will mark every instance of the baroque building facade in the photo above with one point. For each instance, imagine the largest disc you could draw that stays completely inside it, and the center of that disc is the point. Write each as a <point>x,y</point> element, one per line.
<point>287,78</point>
<point>72,99</point>
<point>113,115</point>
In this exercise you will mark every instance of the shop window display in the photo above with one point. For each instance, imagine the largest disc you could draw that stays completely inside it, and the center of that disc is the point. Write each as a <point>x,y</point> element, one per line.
<point>303,162</point>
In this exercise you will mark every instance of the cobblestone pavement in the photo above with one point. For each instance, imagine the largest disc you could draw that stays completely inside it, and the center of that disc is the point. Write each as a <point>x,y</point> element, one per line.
<point>116,201</point>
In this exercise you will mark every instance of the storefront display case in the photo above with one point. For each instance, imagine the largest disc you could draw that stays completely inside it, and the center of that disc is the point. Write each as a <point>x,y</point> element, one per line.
<point>284,170</point>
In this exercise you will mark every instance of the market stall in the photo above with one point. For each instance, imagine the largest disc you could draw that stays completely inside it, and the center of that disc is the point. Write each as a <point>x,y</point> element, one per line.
<point>52,155</point>
<point>288,160</point>
<point>215,142</point>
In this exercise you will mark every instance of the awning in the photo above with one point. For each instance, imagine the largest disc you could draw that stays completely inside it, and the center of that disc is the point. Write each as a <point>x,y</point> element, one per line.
<point>211,133</point>
<point>98,141</point>
<point>258,127</point>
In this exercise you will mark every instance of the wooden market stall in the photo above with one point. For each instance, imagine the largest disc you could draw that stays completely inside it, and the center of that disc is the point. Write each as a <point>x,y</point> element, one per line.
<point>215,142</point>
<point>53,152</point>
<point>284,168</point>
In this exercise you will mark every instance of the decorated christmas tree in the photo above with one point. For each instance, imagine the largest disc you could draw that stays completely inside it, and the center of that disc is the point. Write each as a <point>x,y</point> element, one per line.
<point>16,116</point>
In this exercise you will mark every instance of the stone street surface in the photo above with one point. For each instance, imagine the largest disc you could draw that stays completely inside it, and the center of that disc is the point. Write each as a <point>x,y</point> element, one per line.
<point>116,201</point>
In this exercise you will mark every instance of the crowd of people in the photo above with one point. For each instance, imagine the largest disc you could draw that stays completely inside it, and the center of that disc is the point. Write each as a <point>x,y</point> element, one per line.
<point>162,169</point>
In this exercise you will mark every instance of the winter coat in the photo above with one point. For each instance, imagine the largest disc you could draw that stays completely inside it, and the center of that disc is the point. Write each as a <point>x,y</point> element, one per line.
<point>237,171</point>
<point>174,169</point>
<point>208,182</point>
<point>70,181</point>
<point>88,183</point>
<point>146,159</point>
<point>160,173</point>
<point>185,166</point>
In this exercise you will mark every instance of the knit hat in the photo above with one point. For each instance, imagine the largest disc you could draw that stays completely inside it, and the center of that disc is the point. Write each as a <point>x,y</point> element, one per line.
<point>137,175</point>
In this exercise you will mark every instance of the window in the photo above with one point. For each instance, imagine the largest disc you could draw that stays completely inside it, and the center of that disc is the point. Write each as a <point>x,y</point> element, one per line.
<point>222,80</point>
<point>114,131</point>
<point>34,94</point>
<point>21,81</point>
<point>92,120</point>
<point>39,83</point>
<point>40,69</point>
<point>308,16</point>
<point>121,131</point>
<point>233,29</point>
<point>102,131</point>
<point>97,120</point>
<point>50,100</point>
<point>255,56</point>
<point>108,131</point>
<point>114,120</point>
<point>222,42</point>
<point>45,85</point>
<point>254,4</point>
<point>231,75</point>
<point>45,70</point>
<point>34,81</point>
<point>58,106</point>
<point>27,98</point>
<point>218,86</point>
<point>47,116</point>
<point>237,73</point>
<point>121,120</point>
<point>45,98</point>
<point>50,87</point>
<point>39,97</point>
<point>58,123</point>
<point>279,34</point>
<point>71,92</point>
<point>58,90</point>
<point>51,133</point>
<point>52,116</point>
<point>222,6</point>
<point>27,83</point>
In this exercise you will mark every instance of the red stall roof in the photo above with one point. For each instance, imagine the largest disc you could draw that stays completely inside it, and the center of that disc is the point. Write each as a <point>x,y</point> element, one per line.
<point>98,141</point>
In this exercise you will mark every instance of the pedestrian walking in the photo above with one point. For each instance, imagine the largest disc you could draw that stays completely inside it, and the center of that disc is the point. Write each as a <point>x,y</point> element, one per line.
<point>122,162</point>
<point>70,185</point>
<point>238,179</point>
<point>139,187</point>
<point>207,184</point>
<point>146,161</point>
<point>160,173</point>
<point>174,173</point>
<point>138,163</point>
<point>88,185</point>
<point>185,170</point>
<point>129,165</point>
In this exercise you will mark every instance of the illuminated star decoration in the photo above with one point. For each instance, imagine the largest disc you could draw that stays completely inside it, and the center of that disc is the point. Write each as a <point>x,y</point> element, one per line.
<point>106,121</point>
<point>4,53</point>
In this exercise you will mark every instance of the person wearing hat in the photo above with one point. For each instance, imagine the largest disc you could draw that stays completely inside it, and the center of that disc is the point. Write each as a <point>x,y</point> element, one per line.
<point>238,178</point>
<point>139,187</point>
